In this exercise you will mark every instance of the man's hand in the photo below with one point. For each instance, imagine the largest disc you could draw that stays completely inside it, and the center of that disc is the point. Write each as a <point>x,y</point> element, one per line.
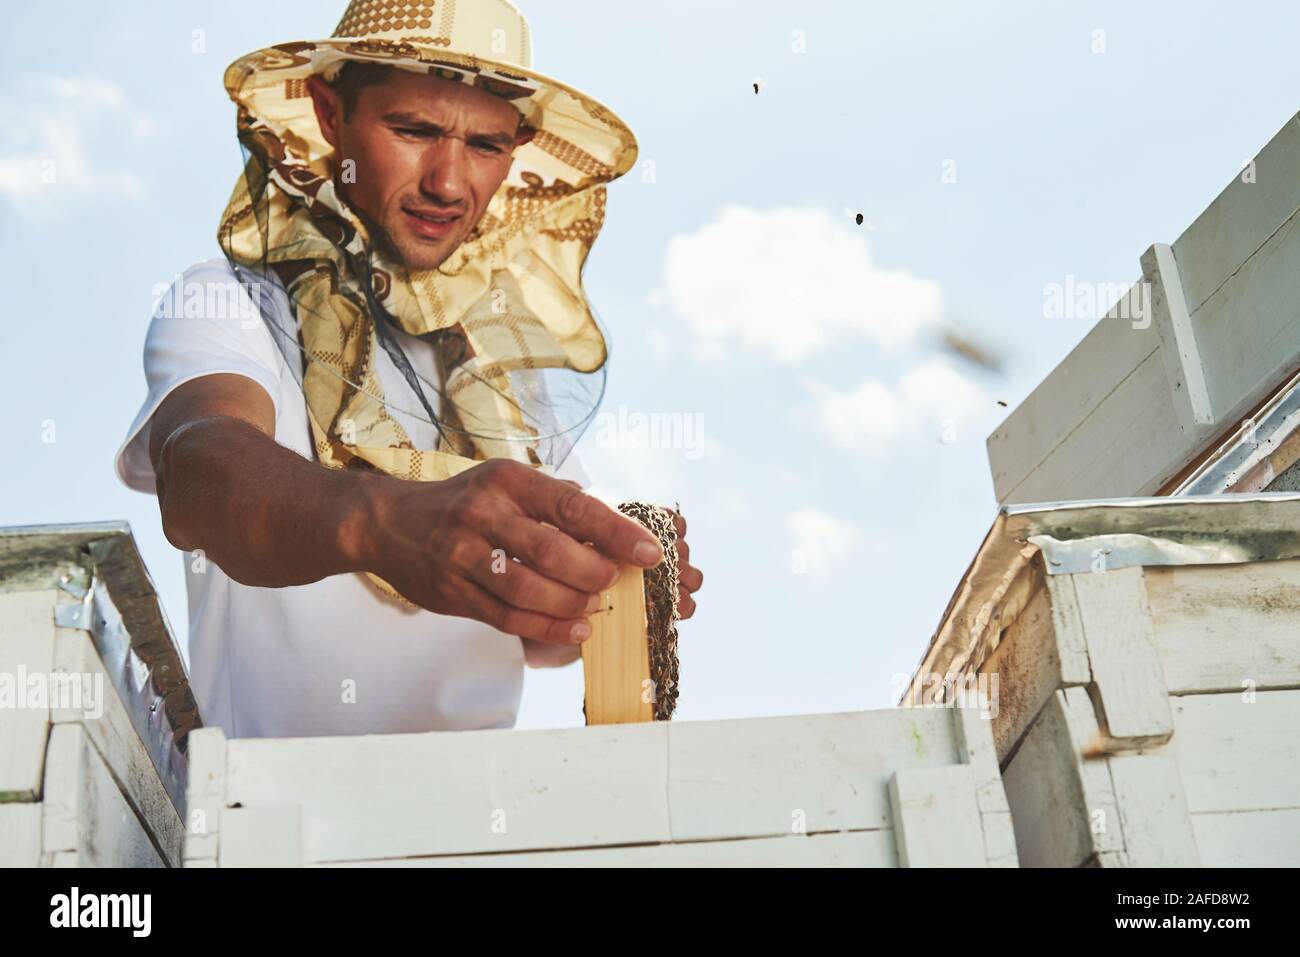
<point>270,518</point>
<point>451,547</point>
<point>689,578</point>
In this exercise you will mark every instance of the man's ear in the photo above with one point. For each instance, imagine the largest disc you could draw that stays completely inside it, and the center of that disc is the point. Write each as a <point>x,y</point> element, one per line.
<point>329,108</point>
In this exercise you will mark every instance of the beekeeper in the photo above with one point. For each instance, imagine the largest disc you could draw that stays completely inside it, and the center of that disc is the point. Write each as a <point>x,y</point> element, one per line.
<point>371,478</point>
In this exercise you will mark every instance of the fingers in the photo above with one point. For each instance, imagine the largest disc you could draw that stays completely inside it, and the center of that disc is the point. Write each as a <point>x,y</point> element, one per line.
<point>685,603</point>
<point>690,577</point>
<point>587,519</point>
<point>557,556</point>
<point>687,574</point>
<point>521,587</point>
<point>486,607</point>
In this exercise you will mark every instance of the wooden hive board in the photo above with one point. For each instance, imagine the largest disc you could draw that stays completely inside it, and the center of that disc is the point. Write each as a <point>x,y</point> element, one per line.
<point>1222,333</point>
<point>1147,716</point>
<point>90,774</point>
<point>803,790</point>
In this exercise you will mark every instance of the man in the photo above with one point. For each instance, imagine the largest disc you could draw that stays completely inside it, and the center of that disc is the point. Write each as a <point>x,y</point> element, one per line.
<point>410,228</point>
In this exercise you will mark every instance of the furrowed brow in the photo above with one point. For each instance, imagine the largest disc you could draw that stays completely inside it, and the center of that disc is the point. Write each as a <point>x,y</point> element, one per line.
<point>415,120</point>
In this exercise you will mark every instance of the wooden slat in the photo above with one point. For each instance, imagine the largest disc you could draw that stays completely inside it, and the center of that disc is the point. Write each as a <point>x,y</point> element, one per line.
<point>1178,347</point>
<point>1220,627</point>
<point>1093,370</point>
<point>1241,218</point>
<point>20,835</point>
<point>409,795</point>
<point>616,658</point>
<point>1152,810</point>
<point>1067,624</point>
<point>936,817</point>
<point>1098,810</point>
<point>1065,808</point>
<point>504,792</point>
<point>406,798</point>
<point>1126,669</point>
<point>85,820</point>
<point>974,734</point>
<point>26,647</point>
<point>261,837</point>
<point>110,731</point>
<point>1027,664</point>
<point>849,849</point>
<point>1113,452</point>
<point>1249,838</point>
<point>820,772</point>
<point>205,796</point>
<point>1046,795</point>
<point>1236,755</point>
<point>1249,329</point>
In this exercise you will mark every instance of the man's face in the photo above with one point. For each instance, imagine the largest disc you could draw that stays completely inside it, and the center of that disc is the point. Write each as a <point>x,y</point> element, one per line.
<point>422,149</point>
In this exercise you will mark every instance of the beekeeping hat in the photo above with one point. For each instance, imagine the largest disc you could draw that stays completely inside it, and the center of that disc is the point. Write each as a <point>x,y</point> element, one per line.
<point>483,43</point>
<point>521,354</point>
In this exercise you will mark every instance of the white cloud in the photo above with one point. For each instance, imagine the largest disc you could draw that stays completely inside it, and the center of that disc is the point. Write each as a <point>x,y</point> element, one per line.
<point>789,282</point>
<point>870,412</point>
<point>820,540</point>
<point>929,396</point>
<point>937,390</point>
<point>53,132</point>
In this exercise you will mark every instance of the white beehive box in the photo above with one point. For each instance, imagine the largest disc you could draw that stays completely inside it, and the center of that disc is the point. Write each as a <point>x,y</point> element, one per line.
<point>1187,356</point>
<point>94,704</point>
<point>862,789</point>
<point>1144,661</point>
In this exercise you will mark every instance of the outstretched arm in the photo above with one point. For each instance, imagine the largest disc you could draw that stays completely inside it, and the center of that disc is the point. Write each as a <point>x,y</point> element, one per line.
<point>269,517</point>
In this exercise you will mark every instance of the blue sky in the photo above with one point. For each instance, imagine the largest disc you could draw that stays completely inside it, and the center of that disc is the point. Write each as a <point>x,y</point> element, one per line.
<point>830,458</point>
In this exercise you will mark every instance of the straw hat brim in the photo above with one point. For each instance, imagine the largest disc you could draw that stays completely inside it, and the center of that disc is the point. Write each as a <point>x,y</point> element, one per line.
<point>578,139</point>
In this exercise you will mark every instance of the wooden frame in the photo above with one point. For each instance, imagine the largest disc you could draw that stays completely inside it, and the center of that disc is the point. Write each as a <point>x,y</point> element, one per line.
<point>876,789</point>
<point>616,658</point>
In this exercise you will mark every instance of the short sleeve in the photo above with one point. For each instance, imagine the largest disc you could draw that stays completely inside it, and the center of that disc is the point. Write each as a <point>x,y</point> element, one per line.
<point>206,322</point>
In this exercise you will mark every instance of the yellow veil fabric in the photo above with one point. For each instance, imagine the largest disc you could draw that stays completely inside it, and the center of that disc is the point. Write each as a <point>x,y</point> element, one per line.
<point>506,306</point>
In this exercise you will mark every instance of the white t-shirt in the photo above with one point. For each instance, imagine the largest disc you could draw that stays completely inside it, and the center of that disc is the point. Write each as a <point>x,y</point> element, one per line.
<point>331,657</point>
